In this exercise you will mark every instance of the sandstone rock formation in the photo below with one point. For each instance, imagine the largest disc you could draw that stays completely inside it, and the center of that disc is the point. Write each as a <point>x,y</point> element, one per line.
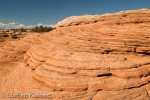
<point>97,61</point>
<point>87,19</point>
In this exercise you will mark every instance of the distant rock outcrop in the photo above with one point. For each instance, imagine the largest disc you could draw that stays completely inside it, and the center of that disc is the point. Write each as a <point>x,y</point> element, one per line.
<point>96,61</point>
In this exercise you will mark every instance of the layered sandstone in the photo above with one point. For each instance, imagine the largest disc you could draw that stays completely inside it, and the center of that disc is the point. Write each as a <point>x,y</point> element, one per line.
<point>87,19</point>
<point>104,60</point>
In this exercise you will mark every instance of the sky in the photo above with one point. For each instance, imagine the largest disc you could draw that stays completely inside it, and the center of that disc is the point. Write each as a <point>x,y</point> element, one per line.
<point>31,13</point>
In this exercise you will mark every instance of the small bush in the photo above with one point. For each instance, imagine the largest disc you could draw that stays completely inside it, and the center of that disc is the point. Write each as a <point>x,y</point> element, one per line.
<point>42,29</point>
<point>14,36</point>
<point>123,15</point>
<point>118,23</point>
<point>138,21</point>
<point>5,35</point>
<point>9,40</point>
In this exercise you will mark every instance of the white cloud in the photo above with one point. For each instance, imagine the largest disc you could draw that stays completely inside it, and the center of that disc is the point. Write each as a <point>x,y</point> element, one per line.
<point>19,26</point>
<point>39,24</point>
<point>32,26</point>
<point>2,24</point>
<point>9,25</point>
<point>52,25</point>
<point>14,25</point>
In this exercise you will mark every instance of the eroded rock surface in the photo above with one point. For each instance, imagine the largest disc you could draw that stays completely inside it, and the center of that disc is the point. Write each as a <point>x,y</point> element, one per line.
<point>87,19</point>
<point>96,61</point>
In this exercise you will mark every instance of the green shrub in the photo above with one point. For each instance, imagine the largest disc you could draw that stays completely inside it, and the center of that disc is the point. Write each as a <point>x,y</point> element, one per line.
<point>5,35</point>
<point>14,36</point>
<point>124,15</point>
<point>42,29</point>
<point>118,23</point>
<point>22,29</point>
<point>138,21</point>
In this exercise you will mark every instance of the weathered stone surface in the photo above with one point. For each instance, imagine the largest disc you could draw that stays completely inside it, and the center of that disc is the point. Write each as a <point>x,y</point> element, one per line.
<point>102,60</point>
<point>127,94</point>
<point>87,19</point>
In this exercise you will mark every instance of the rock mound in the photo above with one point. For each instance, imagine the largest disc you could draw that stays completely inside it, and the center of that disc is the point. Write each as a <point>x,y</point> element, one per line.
<point>87,19</point>
<point>97,61</point>
<point>79,75</point>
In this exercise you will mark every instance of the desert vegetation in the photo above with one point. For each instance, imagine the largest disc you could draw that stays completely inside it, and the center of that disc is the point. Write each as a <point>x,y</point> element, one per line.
<point>5,35</point>
<point>35,29</point>
<point>13,36</point>
<point>42,29</point>
<point>10,34</point>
